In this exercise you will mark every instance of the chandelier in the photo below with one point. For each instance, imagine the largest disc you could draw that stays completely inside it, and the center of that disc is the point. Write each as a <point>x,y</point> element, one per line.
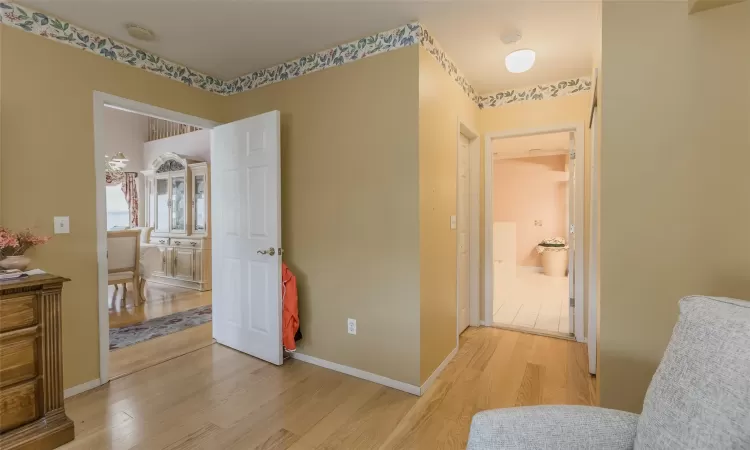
<point>115,165</point>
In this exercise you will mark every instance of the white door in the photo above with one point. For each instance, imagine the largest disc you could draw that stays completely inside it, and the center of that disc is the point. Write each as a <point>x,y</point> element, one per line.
<point>246,236</point>
<point>463,218</point>
<point>571,232</point>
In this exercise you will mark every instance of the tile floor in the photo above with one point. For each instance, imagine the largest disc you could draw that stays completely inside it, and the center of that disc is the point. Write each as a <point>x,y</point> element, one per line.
<point>534,301</point>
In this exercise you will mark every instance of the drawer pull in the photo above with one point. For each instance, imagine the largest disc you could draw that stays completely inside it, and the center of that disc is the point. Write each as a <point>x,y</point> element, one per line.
<point>177,243</point>
<point>193,244</point>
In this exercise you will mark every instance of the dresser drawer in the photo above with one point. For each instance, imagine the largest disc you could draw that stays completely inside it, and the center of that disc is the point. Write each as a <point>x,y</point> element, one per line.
<point>190,243</point>
<point>17,358</point>
<point>159,241</point>
<point>17,312</point>
<point>18,405</point>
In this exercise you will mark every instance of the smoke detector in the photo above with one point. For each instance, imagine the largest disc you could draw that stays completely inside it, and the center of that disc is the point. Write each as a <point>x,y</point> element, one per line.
<point>139,32</point>
<point>511,37</point>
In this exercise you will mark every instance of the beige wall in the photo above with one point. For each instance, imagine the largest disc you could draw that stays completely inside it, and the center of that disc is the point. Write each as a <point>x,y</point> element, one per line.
<point>675,151</point>
<point>2,29</point>
<point>535,114</point>
<point>441,104</point>
<point>47,164</point>
<point>530,189</point>
<point>350,221</point>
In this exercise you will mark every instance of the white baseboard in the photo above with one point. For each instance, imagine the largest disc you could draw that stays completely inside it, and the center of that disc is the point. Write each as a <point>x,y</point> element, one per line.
<point>534,269</point>
<point>87,386</point>
<point>379,379</point>
<point>437,371</point>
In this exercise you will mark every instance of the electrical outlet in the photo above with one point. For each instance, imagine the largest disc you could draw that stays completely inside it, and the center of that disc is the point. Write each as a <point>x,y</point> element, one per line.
<point>351,326</point>
<point>538,223</point>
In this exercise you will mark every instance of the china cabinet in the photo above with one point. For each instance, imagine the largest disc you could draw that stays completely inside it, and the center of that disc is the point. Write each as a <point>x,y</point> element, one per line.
<point>178,208</point>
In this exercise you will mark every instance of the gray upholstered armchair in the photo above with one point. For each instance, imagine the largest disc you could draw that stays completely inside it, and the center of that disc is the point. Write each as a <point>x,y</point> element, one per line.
<point>699,397</point>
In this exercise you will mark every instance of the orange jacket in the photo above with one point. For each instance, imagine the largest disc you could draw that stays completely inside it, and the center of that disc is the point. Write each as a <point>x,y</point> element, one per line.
<point>290,312</point>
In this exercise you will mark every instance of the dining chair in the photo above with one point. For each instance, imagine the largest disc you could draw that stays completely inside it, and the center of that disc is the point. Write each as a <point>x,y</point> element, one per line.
<point>123,261</point>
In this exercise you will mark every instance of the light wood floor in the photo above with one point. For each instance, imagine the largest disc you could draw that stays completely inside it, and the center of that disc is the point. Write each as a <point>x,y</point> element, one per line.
<point>217,398</point>
<point>161,300</point>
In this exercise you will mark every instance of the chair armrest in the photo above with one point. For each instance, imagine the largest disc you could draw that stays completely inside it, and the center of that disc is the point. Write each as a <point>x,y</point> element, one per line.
<point>553,427</point>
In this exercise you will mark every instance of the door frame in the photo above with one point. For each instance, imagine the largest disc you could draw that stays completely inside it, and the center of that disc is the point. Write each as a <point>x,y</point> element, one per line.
<point>103,100</point>
<point>578,220</point>
<point>462,128</point>
<point>593,222</point>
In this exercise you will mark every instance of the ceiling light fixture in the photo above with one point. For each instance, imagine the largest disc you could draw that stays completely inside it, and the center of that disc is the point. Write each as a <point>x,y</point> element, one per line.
<point>520,60</point>
<point>139,32</point>
<point>115,165</point>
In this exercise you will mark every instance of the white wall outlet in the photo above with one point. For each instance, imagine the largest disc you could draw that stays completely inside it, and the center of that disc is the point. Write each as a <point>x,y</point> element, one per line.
<point>538,223</point>
<point>62,224</point>
<point>351,326</point>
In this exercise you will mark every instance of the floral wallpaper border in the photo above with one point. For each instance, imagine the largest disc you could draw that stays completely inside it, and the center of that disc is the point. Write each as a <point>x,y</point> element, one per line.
<point>413,33</point>
<point>51,27</point>
<point>429,43</point>
<point>547,91</point>
<point>386,41</point>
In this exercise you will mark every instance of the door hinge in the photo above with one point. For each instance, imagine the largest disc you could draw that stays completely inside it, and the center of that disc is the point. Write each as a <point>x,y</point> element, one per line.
<point>572,155</point>
<point>572,302</point>
<point>572,229</point>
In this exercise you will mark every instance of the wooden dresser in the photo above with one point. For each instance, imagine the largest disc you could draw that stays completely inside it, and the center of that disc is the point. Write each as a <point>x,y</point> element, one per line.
<point>32,412</point>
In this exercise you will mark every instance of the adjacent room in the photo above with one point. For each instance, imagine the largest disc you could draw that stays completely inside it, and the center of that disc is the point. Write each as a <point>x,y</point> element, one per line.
<point>158,241</point>
<point>531,218</point>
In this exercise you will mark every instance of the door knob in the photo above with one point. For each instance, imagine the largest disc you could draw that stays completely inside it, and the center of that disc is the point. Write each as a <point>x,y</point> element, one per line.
<point>271,251</point>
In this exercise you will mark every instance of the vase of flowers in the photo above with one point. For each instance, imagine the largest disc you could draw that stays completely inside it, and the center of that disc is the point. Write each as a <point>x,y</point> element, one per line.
<point>14,245</point>
<point>554,253</point>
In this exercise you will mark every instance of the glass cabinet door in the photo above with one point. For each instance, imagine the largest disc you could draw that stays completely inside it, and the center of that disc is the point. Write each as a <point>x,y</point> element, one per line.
<point>199,203</point>
<point>161,205</point>
<point>179,209</point>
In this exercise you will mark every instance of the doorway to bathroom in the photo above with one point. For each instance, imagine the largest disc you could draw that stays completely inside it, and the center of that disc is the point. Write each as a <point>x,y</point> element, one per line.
<point>533,213</point>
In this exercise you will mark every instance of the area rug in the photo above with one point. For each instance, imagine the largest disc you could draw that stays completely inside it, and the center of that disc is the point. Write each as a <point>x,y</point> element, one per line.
<point>161,326</point>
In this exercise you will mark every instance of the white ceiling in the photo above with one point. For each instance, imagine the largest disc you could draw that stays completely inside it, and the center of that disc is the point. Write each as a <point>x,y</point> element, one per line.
<point>231,38</point>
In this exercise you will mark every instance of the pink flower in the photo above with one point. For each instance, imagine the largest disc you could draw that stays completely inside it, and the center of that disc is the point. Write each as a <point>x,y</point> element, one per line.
<point>17,243</point>
<point>8,240</point>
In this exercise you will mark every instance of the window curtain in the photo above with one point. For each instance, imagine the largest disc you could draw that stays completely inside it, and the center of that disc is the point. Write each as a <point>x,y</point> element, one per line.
<point>130,189</point>
<point>127,182</point>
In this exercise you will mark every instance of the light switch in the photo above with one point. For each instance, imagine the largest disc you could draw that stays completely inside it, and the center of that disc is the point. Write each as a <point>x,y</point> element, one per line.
<point>453,222</point>
<point>62,224</point>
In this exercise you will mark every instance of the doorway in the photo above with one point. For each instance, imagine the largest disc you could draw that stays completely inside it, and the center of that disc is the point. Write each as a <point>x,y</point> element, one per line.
<point>533,215</point>
<point>159,284</point>
<point>135,307</point>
